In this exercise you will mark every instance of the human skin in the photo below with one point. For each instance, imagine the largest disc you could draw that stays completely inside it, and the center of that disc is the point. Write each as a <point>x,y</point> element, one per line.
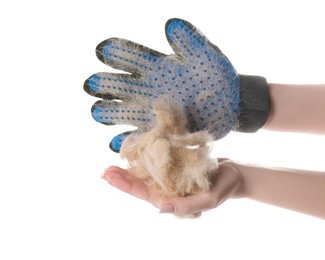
<point>227,184</point>
<point>297,108</point>
<point>298,190</point>
<point>294,108</point>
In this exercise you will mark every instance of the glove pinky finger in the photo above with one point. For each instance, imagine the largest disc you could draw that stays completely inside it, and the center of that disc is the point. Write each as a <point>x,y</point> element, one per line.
<point>117,141</point>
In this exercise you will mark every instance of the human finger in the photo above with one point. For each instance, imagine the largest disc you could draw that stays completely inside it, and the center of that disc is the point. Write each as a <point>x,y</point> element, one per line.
<point>122,180</point>
<point>191,205</point>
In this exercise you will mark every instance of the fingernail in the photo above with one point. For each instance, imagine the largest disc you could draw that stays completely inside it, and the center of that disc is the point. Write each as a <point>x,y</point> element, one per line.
<point>167,208</point>
<point>105,175</point>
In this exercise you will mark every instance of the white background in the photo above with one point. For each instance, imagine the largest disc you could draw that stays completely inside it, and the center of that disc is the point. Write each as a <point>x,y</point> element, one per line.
<point>53,203</point>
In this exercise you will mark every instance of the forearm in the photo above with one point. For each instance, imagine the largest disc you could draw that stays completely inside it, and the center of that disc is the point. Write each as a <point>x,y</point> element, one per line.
<point>299,190</point>
<point>297,108</point>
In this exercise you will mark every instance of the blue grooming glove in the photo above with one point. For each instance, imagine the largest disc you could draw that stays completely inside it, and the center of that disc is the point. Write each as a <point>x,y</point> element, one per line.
<point>198,76</point>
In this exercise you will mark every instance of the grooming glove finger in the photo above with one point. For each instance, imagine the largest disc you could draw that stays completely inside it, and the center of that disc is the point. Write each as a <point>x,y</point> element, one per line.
<point>128,56</point>
<point>118,140</point>
<point>116,86</point>
<point>187,40</point>
<point>110,112</point>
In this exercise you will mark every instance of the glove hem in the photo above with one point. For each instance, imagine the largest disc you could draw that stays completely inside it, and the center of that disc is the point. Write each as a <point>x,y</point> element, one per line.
<point>255,103</point>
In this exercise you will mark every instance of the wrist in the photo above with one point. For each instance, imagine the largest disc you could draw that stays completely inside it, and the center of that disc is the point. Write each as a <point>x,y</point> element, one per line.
<point>232,168</point>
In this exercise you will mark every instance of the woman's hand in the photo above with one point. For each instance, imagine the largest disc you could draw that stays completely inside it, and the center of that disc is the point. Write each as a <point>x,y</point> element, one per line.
<point>227,184</point>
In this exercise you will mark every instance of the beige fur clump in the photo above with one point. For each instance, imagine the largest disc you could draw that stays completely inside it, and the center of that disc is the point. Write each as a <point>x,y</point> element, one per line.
<point>168,158</point>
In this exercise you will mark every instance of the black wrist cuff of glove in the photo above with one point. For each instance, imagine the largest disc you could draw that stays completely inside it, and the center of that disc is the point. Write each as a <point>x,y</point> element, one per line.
<point>255,103</point>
